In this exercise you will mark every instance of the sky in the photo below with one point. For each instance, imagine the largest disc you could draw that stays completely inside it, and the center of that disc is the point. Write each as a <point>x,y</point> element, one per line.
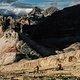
<point>45,3</point>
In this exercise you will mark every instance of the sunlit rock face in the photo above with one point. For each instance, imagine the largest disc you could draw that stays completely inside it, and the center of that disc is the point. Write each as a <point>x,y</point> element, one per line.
<point>8,42</point>
<point>8,48</point>
<point>50,11</point>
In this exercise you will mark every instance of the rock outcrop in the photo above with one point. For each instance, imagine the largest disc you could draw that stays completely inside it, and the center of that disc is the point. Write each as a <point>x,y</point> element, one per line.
<point>12,49</point>
<point>8,48</point>
<point>73,47</point>
<point>50,11</point>
<point>36,10</point>
<point>8,41</point>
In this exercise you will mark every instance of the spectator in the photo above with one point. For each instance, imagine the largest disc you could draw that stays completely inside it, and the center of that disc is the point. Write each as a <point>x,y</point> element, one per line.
<point>59,67</point>
<point>36,69</point>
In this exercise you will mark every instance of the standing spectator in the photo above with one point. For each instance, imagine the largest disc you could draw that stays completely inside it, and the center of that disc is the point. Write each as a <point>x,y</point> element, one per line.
<point>36,69</point>
<point>59,67</point>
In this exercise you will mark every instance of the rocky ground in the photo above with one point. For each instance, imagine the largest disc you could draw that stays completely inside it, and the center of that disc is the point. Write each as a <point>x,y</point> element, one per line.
<point>24,69</point>
<point>16,61</point>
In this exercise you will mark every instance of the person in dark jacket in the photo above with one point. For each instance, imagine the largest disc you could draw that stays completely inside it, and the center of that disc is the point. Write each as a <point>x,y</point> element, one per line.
<point>59,67</point>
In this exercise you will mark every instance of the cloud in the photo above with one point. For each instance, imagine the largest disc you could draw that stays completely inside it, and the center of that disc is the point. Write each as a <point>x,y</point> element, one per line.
<point>42,3</point>
<point>74,3</point>
<point>8,1</point>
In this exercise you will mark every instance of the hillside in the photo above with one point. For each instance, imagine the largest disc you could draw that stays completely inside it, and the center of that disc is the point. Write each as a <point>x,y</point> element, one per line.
<point>60,28</point>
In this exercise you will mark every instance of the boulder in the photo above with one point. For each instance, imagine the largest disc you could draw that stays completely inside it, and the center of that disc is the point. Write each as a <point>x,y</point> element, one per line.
<point>27,50</point>
<point>7,58</point>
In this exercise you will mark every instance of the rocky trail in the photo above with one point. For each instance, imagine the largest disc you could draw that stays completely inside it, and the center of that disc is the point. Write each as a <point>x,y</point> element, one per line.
<point>44,74</point>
